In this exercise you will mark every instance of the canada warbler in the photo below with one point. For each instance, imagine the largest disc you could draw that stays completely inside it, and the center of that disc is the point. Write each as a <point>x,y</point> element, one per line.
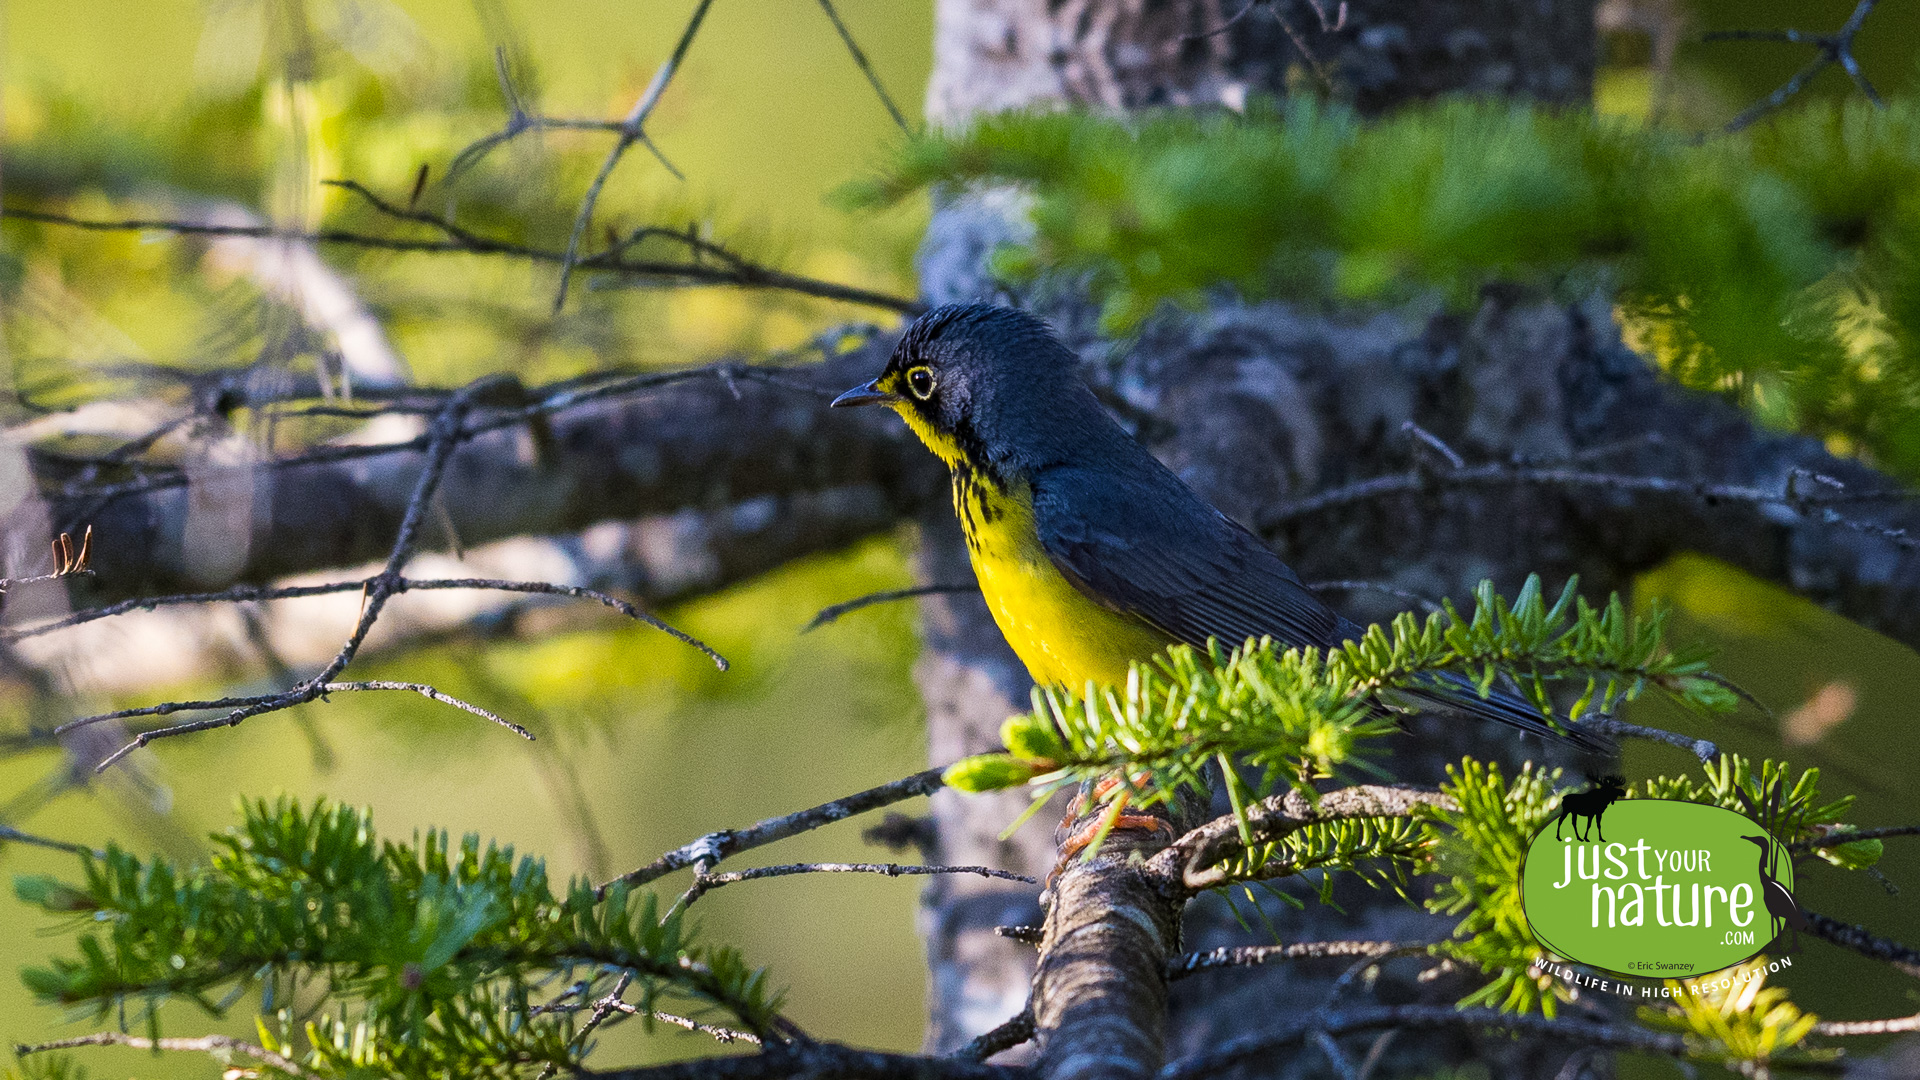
<point>1090,552</point>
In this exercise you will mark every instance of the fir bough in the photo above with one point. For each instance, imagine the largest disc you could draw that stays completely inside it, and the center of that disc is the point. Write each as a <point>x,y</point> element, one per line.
<point>1781,264</point>
<point>1296,715</point>
<point>428,955</point>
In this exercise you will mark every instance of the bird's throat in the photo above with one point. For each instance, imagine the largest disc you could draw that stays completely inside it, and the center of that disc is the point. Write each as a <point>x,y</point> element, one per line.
<point>1063,636</point>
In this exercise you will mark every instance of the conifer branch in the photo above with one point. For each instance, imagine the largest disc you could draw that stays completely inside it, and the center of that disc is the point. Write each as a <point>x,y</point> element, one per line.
<point>1192,862</point>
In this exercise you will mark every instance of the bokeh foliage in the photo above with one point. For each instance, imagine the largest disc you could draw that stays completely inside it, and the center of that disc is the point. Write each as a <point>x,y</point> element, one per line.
<point>1780,265</point>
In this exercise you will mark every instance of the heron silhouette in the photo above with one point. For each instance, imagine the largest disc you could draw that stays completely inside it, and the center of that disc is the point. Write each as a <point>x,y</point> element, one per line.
<point>1780,903</point>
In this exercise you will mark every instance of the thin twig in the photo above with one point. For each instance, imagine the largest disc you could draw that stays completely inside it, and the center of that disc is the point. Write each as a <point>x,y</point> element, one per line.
<point>602,1009</point>
<point>1867,1027</point>
<point>866,68</point>
<point>1223,1057</point>
<point>833,612</point>
<point>1249,955</point>
<point>243,593</point>
<point>632,130</point>
<point>1903,958</point>
<point>704,883</point>
<point>740,274</point>
<point>1848,836</point>
<point>431,694</point>
<point>205,1044</point>
<point>540,403</point>
<point>1834,48</point>
<point>442,440</point>
<point>1499,473</point>
<point>8,832</point>
<point>719,1034</point>
<point>1006,1036</point>
<point>1614,727</point>
<point>715,846</point>
<point>1232,20</point>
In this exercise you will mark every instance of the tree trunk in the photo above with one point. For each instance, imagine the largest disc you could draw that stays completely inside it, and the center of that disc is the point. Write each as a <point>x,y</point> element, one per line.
<point>1250,407</point>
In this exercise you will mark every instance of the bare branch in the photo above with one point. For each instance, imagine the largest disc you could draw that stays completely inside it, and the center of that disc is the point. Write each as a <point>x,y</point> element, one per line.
<point>442,440</point>
<point>602,1009</point>
<point>1835,48</point>
<point>866,68</point>
<point>1848,836</point>
<point>513,407</point>
<point>833,612</point>
<point>205,1044</point>
<point>1190,863</point>
<point>739,272</point>
<point>1614,727</point>
<point>1903,958</point>
<point>1248,955</point>
<point>8,832</point>
<point>430,693</point>
<point>713,847</point>
<point>719,1034</point>
<point>704,883</point>
<point>632,130</point>
<point>1804,503</point>
<point>1593,1033</point>
<point>402,585</point>
<point>1013,1032</point>
<point>1867,1027</point>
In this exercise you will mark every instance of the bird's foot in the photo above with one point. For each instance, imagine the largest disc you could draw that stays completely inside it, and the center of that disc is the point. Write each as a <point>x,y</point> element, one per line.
<point>1101,826</point>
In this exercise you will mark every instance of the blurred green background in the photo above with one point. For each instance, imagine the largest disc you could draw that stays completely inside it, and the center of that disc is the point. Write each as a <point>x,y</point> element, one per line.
<point>122,107</point>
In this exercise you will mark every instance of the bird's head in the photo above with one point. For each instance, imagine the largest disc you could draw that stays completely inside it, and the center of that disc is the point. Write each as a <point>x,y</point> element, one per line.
<point>980,384</point>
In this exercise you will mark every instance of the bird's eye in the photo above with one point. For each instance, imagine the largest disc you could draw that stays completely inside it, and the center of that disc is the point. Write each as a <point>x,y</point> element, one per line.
<point>920,381</point>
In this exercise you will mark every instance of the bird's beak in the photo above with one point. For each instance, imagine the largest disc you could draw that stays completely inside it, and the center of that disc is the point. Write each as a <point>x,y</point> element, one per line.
<point>866,394</point>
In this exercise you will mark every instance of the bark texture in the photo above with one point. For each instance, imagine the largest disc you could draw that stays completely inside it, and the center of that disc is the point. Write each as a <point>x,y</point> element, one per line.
<point>659,451</point>
<point>991,55</point>
<point>1100,990</point>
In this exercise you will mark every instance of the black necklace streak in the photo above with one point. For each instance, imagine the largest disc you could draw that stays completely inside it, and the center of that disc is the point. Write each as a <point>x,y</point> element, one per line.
<point>975,481</point>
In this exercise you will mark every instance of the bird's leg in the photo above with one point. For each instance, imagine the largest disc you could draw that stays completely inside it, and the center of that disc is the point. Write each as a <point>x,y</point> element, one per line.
<point>1082,828</point>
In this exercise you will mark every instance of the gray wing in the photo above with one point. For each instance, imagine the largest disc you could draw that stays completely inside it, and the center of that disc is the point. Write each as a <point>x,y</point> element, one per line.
<point>1149,546</point>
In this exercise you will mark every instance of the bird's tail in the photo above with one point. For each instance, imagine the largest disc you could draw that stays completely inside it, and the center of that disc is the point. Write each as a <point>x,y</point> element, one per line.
<point>1456,693</point>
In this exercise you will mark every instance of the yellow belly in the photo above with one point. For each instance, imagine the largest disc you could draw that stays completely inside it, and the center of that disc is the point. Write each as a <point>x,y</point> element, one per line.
<point>1064,638</point>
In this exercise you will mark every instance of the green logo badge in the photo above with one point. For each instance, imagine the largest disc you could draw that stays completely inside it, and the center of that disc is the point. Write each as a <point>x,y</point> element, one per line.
<point>1654,888</point>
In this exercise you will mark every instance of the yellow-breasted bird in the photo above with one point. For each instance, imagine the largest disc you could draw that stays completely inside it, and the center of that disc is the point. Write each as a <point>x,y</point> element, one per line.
<point>1089,551</point>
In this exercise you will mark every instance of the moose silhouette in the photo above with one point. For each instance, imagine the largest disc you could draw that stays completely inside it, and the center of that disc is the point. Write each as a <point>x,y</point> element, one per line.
<point>1785,912</point>
<point>1588,805</point>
